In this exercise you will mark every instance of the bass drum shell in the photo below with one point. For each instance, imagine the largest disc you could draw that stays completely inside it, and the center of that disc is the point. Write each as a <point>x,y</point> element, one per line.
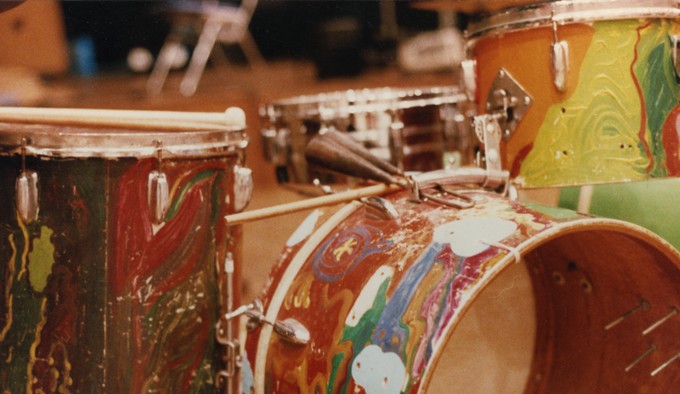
<point>615,119</point>
<point>501,297</point>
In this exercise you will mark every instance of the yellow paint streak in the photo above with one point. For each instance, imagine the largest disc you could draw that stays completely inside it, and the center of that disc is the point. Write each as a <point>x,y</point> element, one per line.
<point>64,374</point>
<point>41,260</point>
<point>34,346</point>
<point>525,54</point>
<point>593,136</point>
<point>8,293</point>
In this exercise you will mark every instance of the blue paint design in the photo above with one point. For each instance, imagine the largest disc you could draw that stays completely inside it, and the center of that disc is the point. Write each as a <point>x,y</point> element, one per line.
<point>344,251</point>
<point>390,333</point>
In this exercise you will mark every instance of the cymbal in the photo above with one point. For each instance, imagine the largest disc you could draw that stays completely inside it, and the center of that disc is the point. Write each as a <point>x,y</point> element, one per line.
<point>472,6</point>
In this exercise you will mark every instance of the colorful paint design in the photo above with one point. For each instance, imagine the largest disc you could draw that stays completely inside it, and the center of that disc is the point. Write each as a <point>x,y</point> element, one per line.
<point>376,328</point>
<point>96,297</point>
<point>615,122</point>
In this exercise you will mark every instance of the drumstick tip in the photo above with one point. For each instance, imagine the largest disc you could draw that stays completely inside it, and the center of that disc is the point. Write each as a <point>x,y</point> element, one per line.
<point>235,117</point>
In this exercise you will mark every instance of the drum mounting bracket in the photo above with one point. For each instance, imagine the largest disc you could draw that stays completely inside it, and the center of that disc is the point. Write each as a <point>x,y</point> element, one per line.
<point>508,101</point>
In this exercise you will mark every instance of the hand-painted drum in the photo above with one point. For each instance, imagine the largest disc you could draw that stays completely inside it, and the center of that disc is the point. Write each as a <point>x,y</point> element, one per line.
<point>501,297</point>
<point>109,281</point>
<point>591,86</point>
<point>416,129</point>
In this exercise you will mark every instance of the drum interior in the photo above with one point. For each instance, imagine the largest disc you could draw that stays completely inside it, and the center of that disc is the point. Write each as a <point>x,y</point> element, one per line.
<point>551,323</point>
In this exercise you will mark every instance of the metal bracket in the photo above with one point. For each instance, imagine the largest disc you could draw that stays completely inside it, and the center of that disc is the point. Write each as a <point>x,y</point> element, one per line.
<point>243,187</point>
<point>508,101</point>
<point>675,53</point>
<point>469,77</point>
<point>27,190</point>
<point>559,56</point>
<point>157,188</point>
<point>488,130</point>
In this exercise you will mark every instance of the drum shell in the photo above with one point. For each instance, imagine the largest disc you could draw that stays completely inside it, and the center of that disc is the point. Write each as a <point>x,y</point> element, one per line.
<point>575,290</point>
<point>615,119</point>
<point>417,129</point>
<point>99,297</point>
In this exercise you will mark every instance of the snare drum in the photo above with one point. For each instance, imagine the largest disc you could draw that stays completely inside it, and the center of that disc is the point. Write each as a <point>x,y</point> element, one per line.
<point>110,237</point>
<point>415,129</point>
<point>584,92</point>
<point>546,299</point>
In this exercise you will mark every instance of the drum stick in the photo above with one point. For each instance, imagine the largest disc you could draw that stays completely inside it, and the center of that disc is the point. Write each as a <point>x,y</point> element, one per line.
<point>231,118</point>
<point>316,202</point>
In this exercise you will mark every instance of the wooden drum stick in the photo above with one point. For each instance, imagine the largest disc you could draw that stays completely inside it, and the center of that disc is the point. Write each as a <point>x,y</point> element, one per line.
<point>311,203</point>
<point>231,118</point>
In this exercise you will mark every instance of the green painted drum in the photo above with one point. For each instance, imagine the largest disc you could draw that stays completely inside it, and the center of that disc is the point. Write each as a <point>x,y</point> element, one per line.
<point>652,204</point>
<point>602,84</point>
<point>99,294</point>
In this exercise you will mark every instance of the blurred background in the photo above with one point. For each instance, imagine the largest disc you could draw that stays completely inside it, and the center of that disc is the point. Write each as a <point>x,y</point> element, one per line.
<point>107,54</point>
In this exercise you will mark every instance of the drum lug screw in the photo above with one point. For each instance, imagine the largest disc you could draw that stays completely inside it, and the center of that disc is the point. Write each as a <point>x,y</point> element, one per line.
<point>641,357</point>
<point>675,53</point>
<point>666,364</point>
<point>673,312</point>
<point>559,56</point>
<point>27,190</point>
<point>157,189</point>
<point>243,187</point>
<point>468,76</point>
<point>643,306</point>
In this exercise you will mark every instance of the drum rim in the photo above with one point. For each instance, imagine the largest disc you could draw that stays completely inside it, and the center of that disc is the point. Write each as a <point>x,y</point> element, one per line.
<point>559,229</point>
<point>67,141</point>
<point>580,225</point>
<point>335,104</point>
<point>570,11</point>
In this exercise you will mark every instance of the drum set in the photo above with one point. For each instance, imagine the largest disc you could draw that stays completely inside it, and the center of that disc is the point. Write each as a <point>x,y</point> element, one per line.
<point>121,237</point>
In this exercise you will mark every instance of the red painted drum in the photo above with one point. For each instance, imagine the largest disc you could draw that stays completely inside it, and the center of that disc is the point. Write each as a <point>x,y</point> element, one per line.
<point>109,237</point>
<point>416,129</point>
<point>585,92</point>
<point>558,301</point>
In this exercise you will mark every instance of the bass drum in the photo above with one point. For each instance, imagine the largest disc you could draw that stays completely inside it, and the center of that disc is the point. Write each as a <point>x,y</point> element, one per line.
<point>501,297</point>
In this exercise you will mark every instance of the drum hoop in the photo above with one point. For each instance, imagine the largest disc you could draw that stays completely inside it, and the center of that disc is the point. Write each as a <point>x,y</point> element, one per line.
<point>333,105</point>
<point>559,230</point>
<point>61,141</point>
<point>571,11</point>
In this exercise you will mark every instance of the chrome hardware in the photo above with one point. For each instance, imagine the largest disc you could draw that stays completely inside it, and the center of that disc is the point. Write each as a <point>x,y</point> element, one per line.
<point>290,330</point>
<point>158,189</point>
<point>559,56</point>
<point>380,208</point>
<point>416,190</point>
<point>675,53</point>
<point>469,77</point>
<point>325,189</point>
<point>243,187</point>
<point>488,130</point>
<point>666,364</point>
<point>224,334</point>
<point>27,196</point>
<point>397,142</point>
<point>673,312</point>
<point>643,306</point>
<point>508,101</point>
<point>276,145</point>
<point>641,357</point>
<point>27,190</point>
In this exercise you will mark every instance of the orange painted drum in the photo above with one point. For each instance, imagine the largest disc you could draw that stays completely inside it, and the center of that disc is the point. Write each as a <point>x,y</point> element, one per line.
<point>602,83</point>
<point>571,303</point>
<point>109,281</point>
<point>416,129</point>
